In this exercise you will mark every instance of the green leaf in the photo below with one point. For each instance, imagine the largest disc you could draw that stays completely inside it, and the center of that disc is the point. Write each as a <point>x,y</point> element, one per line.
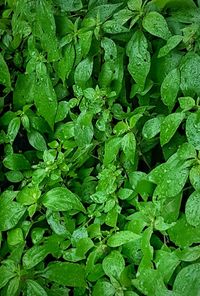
<point>65,65</point>
<point>34,256</point>
<point>195,177</point>
<point>83,129</point>
<point>155,24</point>
<point>191,233</point>
<point>111,150</point>
<point>61,199</point>
<point>188,280</point>
<point>186,103</point>
<point>5,275</point>
<point>172,42</point>
<point>10,213</point>
<point>103,12</point>
<point>121,238</point>
<point>37,140</point>
<point>128,144</point>
<point>4,74</point>
<point>14,176</point>
<point>64,273</point>
<point>83,72</point>
<point>28,195</point>
<point>103,288</point>
<point>13,286</point>
<point>70,5</point>
<point>135,5</point>
<point>170,88</point>
<point>45,97</point>
<point>193,130</point>
<point>151,127</point>
<point>16,162</point>
<point>113,264</point>
<point>169,126</point>
<point>15,237</point>
<point>23,92</point>
<point>190,72</point>
<point>13,129</point>
<point>34,289</point>
<point>139,58</point>
<point>192,209</point>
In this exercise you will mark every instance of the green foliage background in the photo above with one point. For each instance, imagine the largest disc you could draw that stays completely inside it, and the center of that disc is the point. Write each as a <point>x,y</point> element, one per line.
<point>100,141</point>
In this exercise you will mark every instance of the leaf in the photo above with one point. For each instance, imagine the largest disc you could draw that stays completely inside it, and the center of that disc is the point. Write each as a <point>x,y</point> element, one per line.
<point>190,72</point>
<point>121,238</point>
<point>13,129</point>
<point>5,275</point>
<point>34,256</point>
<point>191,233</point>
<point>195,177</point>
<point>193,130</point>
<point>170,88</point>
<point>83,129</point>
<point>103,288</point>
<point>37,140</point>
<point>13,286</point>
<point>151,127</point>
<point>83,72</point>
<point>139,58</point>
<point>34,289</point>
<point>187,281</point>
<point>61,199</point>
<point>135,5</point>
<point>113,264</point>
<point>172,42</point>
<point>10,213</point>
<point>28,195</point>
<point>169,126</point>
<point>103,11</point>
<point>70,5</point>
<point>16,162</point>
<point>4,74</point>
<point>23,92</point>
<point>186,103</point>
<point>192,209</point>
<point>155,24</point>
<point>111,150</point>
<point>64,273</point>
<point>45,97</point>
<point>65,65</point>
<point>129,146</point>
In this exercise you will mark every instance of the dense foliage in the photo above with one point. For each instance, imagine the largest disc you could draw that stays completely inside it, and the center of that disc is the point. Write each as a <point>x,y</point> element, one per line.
<point>100,141</point>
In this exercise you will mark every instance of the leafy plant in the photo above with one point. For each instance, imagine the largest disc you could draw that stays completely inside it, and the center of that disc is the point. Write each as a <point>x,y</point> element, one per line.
<point>100,141</point>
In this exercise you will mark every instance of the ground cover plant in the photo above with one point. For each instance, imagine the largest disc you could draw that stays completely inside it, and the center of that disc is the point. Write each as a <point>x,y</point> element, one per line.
<point>100,141</point>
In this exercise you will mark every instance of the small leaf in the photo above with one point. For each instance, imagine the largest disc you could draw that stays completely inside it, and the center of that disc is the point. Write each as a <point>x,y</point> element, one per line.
<point>188,280</point>
<point>61,199</point>
<point>151,127</point>
<point>170,88</point>
<point>195,177</point>
<point>169,126</point>
<point>103,288</point>
<point>13,286</point>
<point>34,289</point>
<point>4,73</point>
<point>83,72</point>
<point>121,238</point>
<point>113,264</point>
<point>172,42</point>
<point>192,209</point>
<point>135,5</point>
<point>64,273</point>
<point>33,256</point>
<point>155,24</point>
<point>111,150</point>
<point>28,195</point>
<point>5,275</point>
<point>14,176</point>
<point>16,162</point>
<point>186,103</point>
<point>129,146</point>
<point>45,97</point>
<point>139,58</point>
<point>65,65</point>
<point>13,128</point>
<point>37,140</point>
<point>193,130</point>
<point>15,237</point>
